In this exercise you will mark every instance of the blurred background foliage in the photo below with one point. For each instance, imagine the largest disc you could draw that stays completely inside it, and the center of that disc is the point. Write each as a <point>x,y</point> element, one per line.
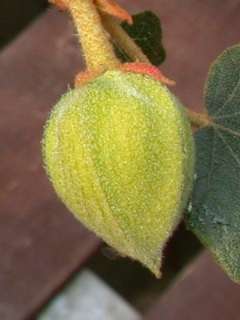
<point>15,15</point>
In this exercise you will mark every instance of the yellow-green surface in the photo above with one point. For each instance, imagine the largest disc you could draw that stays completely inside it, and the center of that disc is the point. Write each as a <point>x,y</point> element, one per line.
<point>119,152</point>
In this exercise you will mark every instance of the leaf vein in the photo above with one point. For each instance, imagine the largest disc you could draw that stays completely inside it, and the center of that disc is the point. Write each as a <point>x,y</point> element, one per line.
<point>230,131</point>
<point>211,160</point>
<point>234,155</point>
<point>230,115</point>
<point>230,97</point>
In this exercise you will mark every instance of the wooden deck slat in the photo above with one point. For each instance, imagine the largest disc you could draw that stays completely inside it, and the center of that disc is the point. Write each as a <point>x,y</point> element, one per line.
<point>202,292</point>
<point>41,244</point>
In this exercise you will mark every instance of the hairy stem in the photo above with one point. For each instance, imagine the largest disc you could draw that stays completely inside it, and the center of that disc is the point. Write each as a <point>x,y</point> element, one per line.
<point>97,50</point>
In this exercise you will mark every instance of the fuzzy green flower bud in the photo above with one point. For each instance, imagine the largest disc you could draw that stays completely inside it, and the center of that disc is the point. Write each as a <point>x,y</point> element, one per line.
<point>119,152</point>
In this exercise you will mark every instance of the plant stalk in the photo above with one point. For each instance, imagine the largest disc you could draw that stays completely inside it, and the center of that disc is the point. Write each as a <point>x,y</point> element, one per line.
<point>97,49</point>
<point>199,120</point>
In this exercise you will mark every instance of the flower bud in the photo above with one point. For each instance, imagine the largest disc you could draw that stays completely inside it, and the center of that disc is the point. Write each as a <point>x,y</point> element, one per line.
<point>119,152</point>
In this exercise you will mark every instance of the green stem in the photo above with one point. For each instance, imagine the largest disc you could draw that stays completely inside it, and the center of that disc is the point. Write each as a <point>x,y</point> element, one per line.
<point>97,49</point>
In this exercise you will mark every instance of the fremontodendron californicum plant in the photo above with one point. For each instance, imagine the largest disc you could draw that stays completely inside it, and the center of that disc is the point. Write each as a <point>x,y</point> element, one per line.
<point>119,150</point>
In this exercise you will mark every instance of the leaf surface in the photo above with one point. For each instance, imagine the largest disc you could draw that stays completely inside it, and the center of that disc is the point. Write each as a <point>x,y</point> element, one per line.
<point>214,214</point>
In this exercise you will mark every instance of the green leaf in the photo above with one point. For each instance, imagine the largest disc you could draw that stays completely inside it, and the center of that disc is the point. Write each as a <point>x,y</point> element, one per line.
<point>214,214</point>
<point>147,33</point>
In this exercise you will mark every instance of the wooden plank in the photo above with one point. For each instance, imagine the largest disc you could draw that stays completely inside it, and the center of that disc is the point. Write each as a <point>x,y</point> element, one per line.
<point>41,244</point>
<point>15,15</point>
<point>203,292</point>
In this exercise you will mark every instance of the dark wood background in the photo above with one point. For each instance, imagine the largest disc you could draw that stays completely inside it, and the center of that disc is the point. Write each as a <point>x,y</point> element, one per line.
<point>16,15</point>
<point>41,244</point>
